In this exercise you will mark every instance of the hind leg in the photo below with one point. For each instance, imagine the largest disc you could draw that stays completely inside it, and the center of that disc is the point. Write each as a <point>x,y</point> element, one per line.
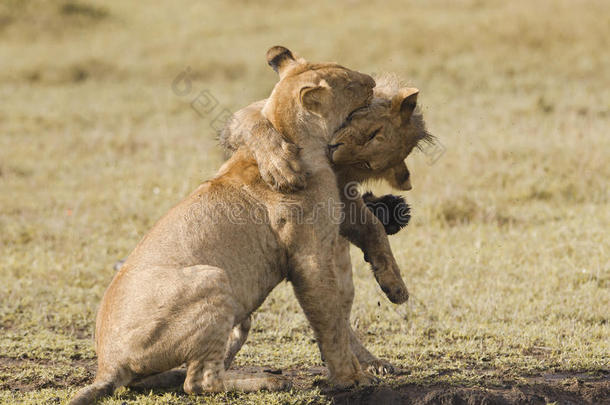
<point>235,381</point>
<point>205,363</point>
<point>104,385</point>
<point>167,379</point>
<point>205,375</point>
<point>238,337</point>
<point>177,377</point>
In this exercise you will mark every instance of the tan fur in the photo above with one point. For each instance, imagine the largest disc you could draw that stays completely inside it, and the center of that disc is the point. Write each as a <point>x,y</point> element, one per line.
<point>206,266</point>
<point>282,167</point>
<point>397,127</point>
<point>351,150</point>
<point>357,159</point>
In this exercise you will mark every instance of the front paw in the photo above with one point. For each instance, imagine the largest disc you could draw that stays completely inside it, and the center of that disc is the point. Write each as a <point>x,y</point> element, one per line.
<point>392,210</point>
<point>378,367</point>
<point>280,167</point>
<point>388,277</point>
<point>396,293</point>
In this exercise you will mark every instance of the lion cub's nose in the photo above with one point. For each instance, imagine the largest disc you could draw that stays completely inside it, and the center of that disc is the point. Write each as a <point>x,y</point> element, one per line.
<point>406,185</point>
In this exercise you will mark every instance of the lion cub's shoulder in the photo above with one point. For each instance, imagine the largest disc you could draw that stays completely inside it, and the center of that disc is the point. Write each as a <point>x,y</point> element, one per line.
<point>241,169</point>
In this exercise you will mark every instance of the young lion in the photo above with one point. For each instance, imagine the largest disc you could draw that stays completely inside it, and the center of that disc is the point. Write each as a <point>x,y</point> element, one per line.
<point>207,264</point>
<point>373,143</point>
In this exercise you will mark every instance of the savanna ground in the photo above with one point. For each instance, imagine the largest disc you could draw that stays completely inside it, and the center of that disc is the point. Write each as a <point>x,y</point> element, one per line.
<point>507,255</point>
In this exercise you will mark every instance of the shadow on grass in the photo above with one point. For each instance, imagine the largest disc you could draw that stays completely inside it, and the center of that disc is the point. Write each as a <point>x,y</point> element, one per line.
<point>563,388</point>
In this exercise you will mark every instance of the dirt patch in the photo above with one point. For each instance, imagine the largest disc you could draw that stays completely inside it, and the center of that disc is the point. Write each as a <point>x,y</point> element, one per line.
<point>562,388</point>
<point>597,392</point>
<point>35,374</point>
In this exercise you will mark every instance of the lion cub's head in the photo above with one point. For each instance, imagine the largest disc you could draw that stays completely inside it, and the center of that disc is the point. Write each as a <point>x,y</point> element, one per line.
<point>313,95</point>
<point>377,139</point>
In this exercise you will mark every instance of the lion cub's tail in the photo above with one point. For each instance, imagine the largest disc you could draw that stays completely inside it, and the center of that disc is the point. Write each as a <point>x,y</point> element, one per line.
<point>93,392</point>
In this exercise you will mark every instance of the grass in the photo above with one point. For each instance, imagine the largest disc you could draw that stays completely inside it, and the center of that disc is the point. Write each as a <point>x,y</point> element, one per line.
<point>507,255</point>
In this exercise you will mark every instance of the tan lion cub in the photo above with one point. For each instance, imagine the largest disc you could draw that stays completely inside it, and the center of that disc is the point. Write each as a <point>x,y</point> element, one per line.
<point>373,143</point>
<point>211,261</point>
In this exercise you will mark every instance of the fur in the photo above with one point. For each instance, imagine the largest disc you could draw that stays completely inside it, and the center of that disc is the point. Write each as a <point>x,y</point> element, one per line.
<point>204,267</point>
<point>392,210</point>
<point>280,160</point>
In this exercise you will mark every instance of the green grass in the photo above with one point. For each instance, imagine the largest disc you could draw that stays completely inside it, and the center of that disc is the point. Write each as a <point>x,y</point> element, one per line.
<point>507,255</point>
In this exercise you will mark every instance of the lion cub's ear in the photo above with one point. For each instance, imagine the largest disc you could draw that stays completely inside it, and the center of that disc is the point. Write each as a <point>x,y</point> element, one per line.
<point>315,98</point>
<point>280,58</point>
<point>404,103</point>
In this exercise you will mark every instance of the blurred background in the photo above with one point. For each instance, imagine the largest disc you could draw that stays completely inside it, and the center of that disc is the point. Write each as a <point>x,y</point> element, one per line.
<point>108,117</point>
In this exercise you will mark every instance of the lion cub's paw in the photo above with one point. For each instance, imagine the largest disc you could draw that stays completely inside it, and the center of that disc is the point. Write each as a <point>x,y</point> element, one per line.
<point>280,167</point>
<point>387,274</point>
<point>238,381</point>
<point>392,210</point>
<point>379,367</point>
<point>279,384</point>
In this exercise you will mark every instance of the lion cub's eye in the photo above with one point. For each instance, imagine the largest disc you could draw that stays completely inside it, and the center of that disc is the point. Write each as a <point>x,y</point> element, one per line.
<point>374,133</point>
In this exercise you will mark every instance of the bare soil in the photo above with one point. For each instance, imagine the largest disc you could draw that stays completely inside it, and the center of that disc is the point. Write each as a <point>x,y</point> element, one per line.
<point>568,391</point>
<point>560,388</point>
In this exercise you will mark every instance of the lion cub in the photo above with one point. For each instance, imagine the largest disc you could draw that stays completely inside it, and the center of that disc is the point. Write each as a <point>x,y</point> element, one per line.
<point>210,262</point>
<point>371,144</point>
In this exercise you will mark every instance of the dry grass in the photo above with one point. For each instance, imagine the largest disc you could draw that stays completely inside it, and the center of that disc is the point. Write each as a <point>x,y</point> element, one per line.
<point>507,257</point>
